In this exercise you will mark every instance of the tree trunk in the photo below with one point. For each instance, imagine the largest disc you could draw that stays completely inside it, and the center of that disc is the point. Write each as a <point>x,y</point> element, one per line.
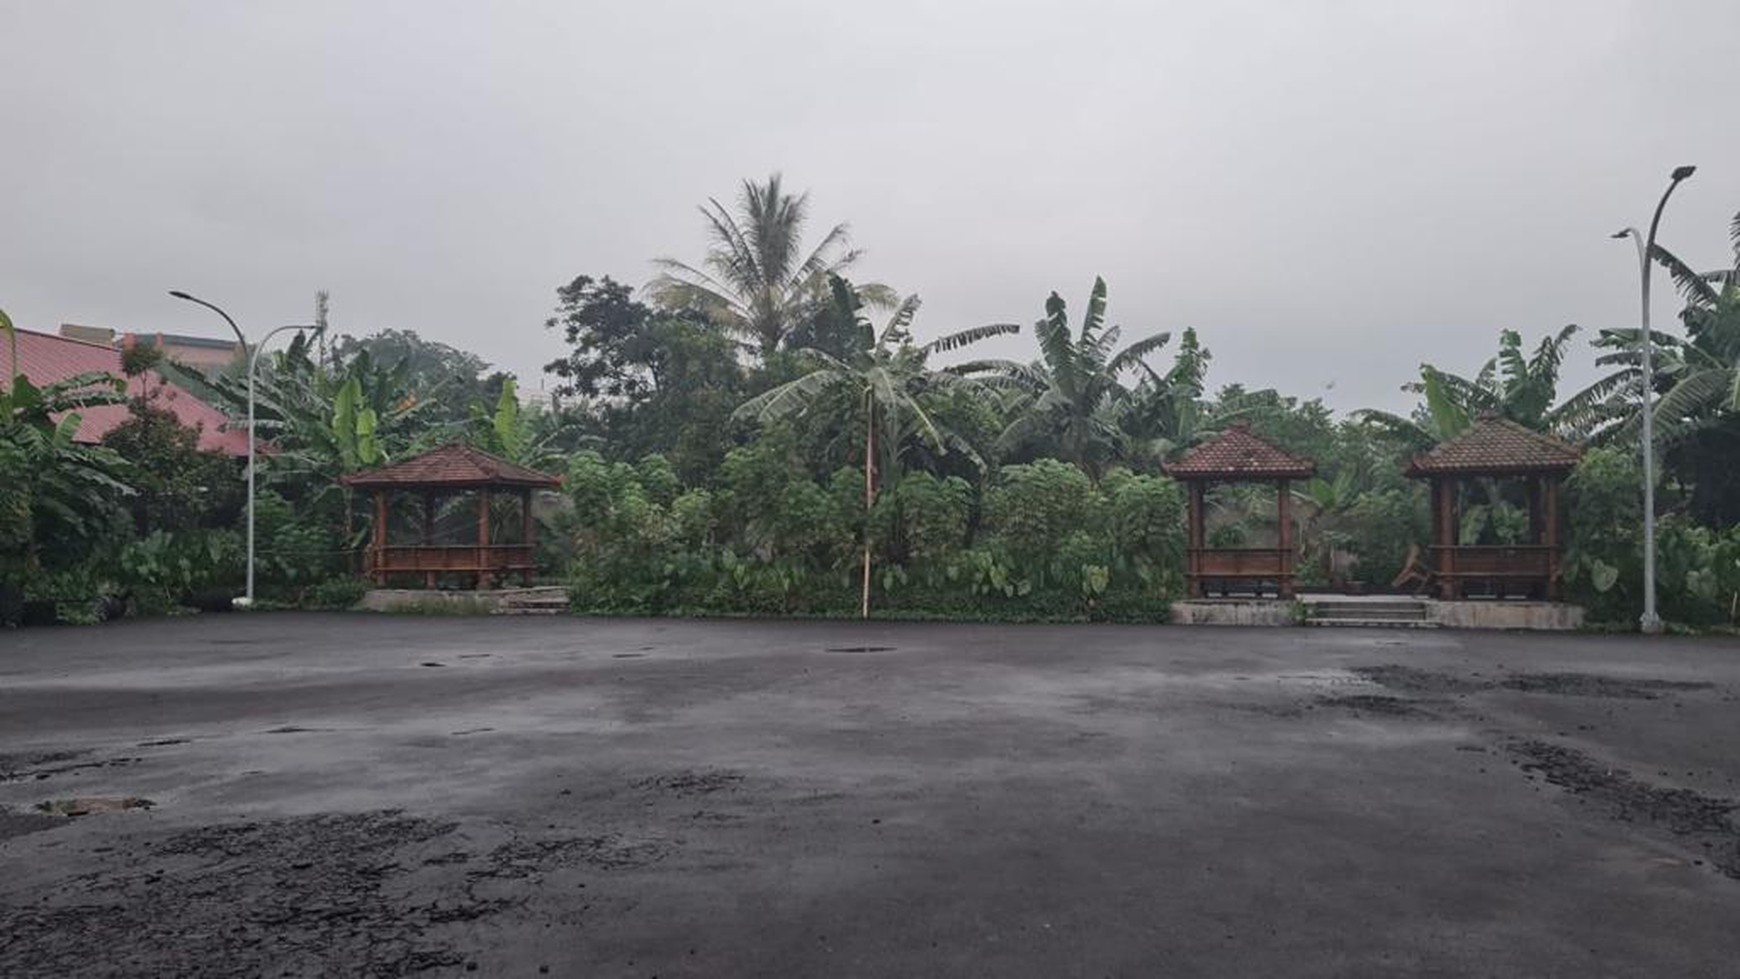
<point>869,489</point>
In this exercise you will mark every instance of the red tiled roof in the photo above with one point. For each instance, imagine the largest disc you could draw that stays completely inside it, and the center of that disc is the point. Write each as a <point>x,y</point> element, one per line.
<point>1238,454</point>
<point>1496,447</point>
<point>45,359</point>
<point>452,465</point>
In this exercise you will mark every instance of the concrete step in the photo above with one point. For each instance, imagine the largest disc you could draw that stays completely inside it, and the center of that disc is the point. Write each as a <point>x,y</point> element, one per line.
<point>1350,610</point>
<point>1354,613</point>
<point>522,610</point>
<point>1368,623</point>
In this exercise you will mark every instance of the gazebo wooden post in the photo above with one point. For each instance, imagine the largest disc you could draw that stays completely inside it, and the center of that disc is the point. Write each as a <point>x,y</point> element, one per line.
<point>1194,585</point>
<point>1445,532</point>
<point>1551,529</point>
<point>484,579</point>
<point>529,532</point>
<point>1284,514</point>
<point>379,563</point>
<point>428,533</point>
<point>1535,488</point>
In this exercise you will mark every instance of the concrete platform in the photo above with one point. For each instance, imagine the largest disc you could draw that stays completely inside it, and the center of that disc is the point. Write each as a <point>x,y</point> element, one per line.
<point>1236,611</point>
<point>544,600</point>
<point>1379,611</point>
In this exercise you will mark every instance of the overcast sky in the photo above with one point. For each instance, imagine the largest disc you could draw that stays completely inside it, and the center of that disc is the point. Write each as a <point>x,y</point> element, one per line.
<point>1330,193</point>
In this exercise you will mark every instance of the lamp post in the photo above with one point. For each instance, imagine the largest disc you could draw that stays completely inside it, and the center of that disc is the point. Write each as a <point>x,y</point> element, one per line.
<point>1650,622</point>
<point>253,356</point>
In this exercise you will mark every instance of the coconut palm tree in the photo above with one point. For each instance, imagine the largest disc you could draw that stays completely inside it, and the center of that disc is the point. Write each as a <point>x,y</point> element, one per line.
<point>888,377</point>
<point>1076,390</point>
<point>757,283</point>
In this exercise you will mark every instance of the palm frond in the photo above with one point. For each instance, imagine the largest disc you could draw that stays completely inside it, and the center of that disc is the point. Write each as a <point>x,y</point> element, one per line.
<point>897,329</point>
<point>1055,344</point>
<point>1692,286</point>
<point>969,336</point>
<point>789,398</point>
<point>1135,352</point>
<point>1094,317</point>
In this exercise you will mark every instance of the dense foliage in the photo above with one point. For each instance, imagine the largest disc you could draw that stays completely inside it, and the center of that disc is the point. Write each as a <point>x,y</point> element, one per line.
<point>754,434</point>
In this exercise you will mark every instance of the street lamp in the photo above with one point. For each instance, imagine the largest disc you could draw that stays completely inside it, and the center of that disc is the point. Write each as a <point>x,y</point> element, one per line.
<point>1650,622</point>
<point>253,355</point>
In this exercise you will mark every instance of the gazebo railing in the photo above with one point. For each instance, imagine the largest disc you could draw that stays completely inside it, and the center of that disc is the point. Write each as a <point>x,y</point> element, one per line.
<point>467,558</point>
<point>1493,560</point>
<point>1238,561</point>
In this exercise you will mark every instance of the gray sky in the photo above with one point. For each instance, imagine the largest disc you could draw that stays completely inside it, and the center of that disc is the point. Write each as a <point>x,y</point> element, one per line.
<point>1329,192</point>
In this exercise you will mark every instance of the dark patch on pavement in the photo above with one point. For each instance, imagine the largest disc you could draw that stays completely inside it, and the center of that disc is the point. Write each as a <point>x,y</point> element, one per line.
<point>1365,703</point>
<point>1398,677</point>
<point>859,649</point>
<point>301,896</point>
<point>432,663</point>
<point>627,655</point>
<point>1588,685</point>
<point>43,765</point>
<point>1688,815</point>
<point>691,783</point>
<point>19,823</point>
<point>519,859</point>
<point>291,729</point>
<point>162,742</point>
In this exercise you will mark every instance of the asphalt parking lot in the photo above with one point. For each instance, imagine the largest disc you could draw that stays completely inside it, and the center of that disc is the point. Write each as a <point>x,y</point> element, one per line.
<point>385,795</point>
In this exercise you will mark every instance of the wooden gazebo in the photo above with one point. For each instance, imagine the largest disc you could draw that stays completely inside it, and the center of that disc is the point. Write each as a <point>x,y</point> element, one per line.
<point>442,473</point>
<point>1495,448</point>
<point>1238,456</point>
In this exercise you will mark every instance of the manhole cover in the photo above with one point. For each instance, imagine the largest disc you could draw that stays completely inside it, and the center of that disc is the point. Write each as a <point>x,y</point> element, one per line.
<point>859,649</point>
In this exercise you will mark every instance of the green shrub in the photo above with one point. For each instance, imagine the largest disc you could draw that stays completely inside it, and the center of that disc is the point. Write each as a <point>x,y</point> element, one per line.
<point>338,593</point>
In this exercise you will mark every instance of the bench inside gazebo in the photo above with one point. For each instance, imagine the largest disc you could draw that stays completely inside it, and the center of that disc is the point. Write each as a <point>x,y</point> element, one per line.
<point>439,475</point>
<point>1239,456</point>
<point>1495,449</point>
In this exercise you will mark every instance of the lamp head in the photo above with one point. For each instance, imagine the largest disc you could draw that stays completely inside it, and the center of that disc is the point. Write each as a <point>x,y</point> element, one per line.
<point>177,293</point>
<point>1681,173</point>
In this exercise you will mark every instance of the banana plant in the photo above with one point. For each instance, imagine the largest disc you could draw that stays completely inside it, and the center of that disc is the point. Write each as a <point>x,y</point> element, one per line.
<point>52,488</point>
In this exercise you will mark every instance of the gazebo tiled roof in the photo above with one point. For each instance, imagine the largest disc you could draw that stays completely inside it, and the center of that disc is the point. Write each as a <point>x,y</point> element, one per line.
<point>1496,446</point>
<point>1238,454</point>
<point>451,466</point>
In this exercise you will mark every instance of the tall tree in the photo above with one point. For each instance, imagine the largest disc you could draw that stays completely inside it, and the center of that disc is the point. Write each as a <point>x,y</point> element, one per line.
<point>1076,389</point>
<point>645,380</point>
<point>888,378</point>
<point>757,282</point>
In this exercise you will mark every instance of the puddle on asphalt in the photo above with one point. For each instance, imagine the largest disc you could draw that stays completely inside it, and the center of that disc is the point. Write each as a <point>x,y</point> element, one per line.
<point>86,806</point>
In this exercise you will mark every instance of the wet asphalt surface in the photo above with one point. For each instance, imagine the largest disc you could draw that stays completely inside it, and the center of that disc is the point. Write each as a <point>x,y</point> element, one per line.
<point>377,795</point>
